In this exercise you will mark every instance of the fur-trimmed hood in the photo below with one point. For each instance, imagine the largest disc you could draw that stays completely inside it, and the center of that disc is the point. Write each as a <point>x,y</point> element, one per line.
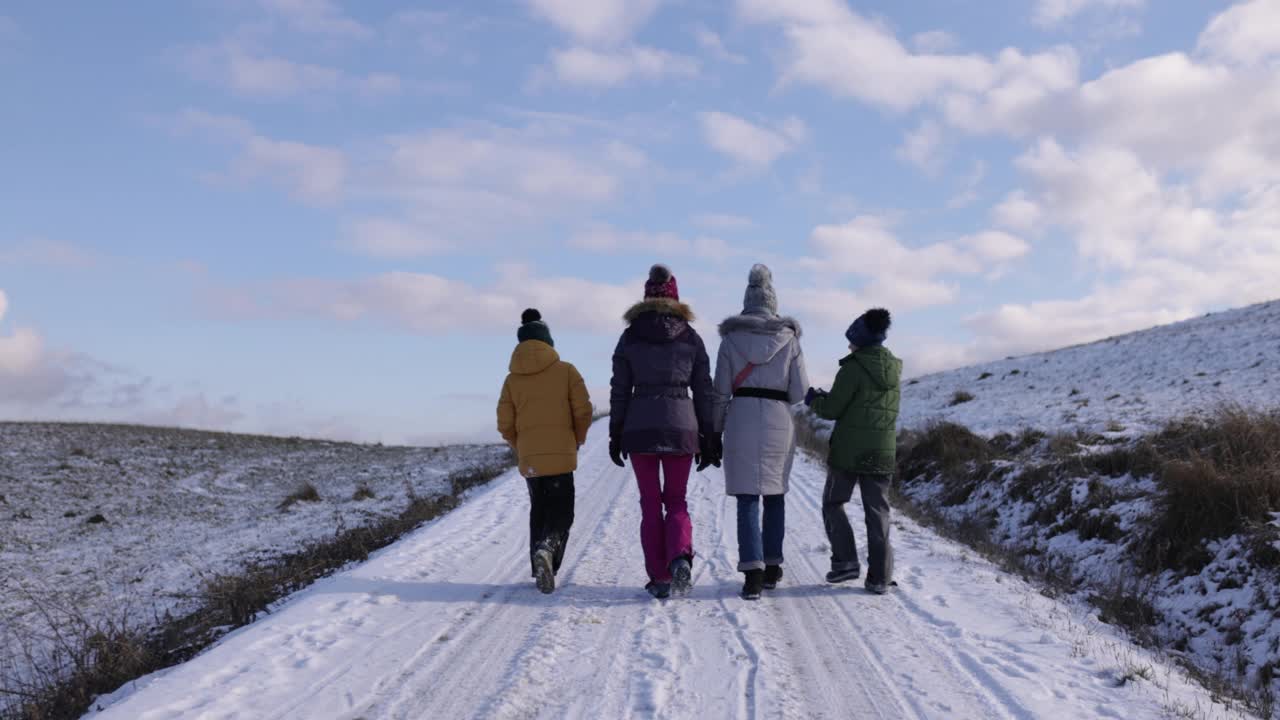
<point>758,338</point>
<point>660,320</point>
<point>759,324</point>
<point>661,306</point>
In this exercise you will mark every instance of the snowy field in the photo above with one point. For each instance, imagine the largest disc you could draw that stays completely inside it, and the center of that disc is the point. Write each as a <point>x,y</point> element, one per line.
<point>446,624</point>
<point>1127,385</point>
<point>177,506</point>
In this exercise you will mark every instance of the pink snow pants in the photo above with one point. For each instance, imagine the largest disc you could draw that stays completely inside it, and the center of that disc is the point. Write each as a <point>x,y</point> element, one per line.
<point>668,537</point>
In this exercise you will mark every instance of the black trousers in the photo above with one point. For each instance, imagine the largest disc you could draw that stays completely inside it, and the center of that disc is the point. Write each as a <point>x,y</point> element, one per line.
<point>550,515</point>
<point>875,507</point>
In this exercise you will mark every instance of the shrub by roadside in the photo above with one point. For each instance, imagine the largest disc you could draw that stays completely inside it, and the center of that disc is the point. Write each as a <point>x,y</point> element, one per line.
<point>1174,536</point>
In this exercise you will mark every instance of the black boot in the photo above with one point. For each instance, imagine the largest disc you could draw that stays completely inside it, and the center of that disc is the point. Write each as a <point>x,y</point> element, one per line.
<point>544,575</point>
<point>753,585</point>
<point>772,574</point>
<point>660,591</point>
<point>839,576</point>
<point>681,576</point>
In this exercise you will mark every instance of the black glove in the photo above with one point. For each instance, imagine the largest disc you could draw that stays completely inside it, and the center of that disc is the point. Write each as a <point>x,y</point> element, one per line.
<point>615,452</point>
<point>710,451</point>
<point>812,395</point>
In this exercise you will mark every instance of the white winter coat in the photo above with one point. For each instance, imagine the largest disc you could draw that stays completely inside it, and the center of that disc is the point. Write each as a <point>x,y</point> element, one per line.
<point>759,433</point>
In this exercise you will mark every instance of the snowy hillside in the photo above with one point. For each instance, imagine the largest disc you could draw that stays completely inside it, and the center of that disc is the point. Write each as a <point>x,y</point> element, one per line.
<point>1140,474</point>
<point>446,624</point>
<point>99,520</point>
<point>1127,385</point>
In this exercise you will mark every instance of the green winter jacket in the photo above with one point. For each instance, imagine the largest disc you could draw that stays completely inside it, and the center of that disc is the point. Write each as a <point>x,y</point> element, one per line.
<point>864,403</point>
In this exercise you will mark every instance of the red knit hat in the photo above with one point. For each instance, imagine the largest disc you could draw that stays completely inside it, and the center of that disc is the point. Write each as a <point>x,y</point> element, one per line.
<point>661,284</point>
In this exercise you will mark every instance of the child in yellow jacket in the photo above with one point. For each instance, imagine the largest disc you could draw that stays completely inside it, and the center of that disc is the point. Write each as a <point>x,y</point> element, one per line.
<point>544,413</point>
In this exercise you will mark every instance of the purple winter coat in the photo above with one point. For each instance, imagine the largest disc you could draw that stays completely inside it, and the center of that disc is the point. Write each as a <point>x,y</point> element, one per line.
<point>658,360</point>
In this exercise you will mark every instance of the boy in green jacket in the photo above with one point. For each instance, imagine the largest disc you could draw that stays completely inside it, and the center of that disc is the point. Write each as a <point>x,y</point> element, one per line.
<point>864,403</point>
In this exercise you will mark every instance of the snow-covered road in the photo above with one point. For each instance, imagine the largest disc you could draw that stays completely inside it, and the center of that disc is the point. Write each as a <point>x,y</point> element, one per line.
<point>446,624</point>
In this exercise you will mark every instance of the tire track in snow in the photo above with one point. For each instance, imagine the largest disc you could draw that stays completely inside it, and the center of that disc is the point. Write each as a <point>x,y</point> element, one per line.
<point>520,663</point>
<point>463,622</point>
<point>890,618</point>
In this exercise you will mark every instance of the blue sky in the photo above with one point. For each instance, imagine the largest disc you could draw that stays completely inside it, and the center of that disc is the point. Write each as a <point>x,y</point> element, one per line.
<point>323,218</point>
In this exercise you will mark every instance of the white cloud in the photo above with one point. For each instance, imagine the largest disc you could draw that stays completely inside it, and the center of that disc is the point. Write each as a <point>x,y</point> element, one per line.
<point>319,17</point>
<point>262,76</point>
<point>503,162</point>
<point>1161,108</point>
<point>1019,95</point>
<point>608,239</point>
<point>430,304</point>
<point>597,21</point>
<point>1017,212</point>
<point>394,239</point>
<point>610,68</point>
<point>714,44</point>
<point>462,186</point>
<point>751,146</point>
<point>836,48</point>
<point>968,193</point>
<point>30,373</point>
<point>901,277</point>
<point>995,246</point>
<point>310,173</point>
<point>1245,34</point>
<point>934,41</point>
<point>833,47</point>
<point>1049,13</point>
<point>920,147</point>
<point>867,246</point>
<point>1119,209</point>
<point>723,221</point>
<point>1172,255</point>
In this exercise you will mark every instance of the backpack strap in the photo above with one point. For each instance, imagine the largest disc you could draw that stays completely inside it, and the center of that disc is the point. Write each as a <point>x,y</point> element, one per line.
<point>742,376</point>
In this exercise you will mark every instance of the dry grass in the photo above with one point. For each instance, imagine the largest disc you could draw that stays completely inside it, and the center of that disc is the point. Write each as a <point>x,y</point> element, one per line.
<point>305,493</point>
<point>1217,476</point>
<point>943,446</point>
<point>1220,477</point>
<point>960,397</point>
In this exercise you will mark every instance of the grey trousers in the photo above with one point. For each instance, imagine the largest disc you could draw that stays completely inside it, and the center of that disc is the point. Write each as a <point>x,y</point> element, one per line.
<point>875,503</point>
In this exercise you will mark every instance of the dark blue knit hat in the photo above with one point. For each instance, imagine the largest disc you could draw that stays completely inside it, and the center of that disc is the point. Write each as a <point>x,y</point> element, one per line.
<point>533,328</point>
<point>870,329</point>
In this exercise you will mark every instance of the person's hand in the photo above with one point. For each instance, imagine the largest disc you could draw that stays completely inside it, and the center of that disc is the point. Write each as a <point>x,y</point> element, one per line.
<point>709,451</point>
<point>615,452</point>
<point>813,394</point>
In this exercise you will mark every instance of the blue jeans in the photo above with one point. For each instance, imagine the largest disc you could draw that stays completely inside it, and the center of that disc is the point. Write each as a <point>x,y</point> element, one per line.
<point>755,548</point>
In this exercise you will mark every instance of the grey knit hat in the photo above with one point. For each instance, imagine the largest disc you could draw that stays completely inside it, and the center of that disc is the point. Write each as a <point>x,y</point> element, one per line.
<point>760,299</point>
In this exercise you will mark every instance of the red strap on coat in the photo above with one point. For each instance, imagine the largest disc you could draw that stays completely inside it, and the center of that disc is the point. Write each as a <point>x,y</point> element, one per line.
<point>742,376</point>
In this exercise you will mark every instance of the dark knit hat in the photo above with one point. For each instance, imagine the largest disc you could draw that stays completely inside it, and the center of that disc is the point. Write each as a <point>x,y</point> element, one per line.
<point>533,328</point>
<point>870,329</point>
<point>661,283</point>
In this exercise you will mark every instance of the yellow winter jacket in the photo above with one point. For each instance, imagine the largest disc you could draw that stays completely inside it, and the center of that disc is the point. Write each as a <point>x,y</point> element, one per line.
<point>544,411</point>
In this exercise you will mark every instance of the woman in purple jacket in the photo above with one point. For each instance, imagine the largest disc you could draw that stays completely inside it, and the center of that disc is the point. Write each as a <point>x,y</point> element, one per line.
<point>659,359</point>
